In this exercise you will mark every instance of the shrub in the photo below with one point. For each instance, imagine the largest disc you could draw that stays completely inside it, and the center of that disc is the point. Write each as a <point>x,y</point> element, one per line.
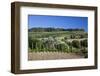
<point>65,38</point>
<point>72,36</point>
<point>84,43</point>
<point>85,52</point>
<point>76,44</point>
<point>61,47</point>
<point>75,50</point>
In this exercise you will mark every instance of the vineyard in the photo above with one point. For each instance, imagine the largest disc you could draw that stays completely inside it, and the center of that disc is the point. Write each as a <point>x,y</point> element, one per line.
<point>58,40</point>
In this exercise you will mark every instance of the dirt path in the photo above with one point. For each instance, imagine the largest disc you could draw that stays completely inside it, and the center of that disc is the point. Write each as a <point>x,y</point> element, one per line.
<point>52,55</point>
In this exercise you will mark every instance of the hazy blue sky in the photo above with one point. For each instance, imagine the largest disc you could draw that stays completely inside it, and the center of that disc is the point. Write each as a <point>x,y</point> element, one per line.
<point>57,21</point>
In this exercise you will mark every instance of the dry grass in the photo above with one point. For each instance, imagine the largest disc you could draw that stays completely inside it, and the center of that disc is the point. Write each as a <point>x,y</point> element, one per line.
<point>52,55</point>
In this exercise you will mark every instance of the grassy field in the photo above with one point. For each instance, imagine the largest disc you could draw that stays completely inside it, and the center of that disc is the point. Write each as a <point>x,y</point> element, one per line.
<point>58,41</point>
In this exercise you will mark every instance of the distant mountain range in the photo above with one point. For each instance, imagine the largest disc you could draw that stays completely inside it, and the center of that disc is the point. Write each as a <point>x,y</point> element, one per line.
<point>51,29</point>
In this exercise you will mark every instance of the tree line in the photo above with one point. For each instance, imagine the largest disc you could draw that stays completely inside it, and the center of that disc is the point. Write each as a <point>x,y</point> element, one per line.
<point>50,29</point>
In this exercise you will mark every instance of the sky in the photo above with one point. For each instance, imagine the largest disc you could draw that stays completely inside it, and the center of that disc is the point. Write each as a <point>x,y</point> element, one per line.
<point>65,22</point>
